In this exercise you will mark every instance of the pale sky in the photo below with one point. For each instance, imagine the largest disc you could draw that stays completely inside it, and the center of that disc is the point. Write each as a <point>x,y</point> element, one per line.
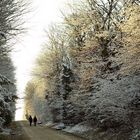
<point>45,12</point>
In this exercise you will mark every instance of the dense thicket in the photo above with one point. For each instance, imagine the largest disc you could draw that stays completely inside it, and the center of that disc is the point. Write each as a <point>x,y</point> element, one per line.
<point>88,72</point>
<point>10,26</point>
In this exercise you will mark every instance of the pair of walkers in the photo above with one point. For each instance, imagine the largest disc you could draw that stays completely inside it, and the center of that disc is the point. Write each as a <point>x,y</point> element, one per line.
<point>34,120</point>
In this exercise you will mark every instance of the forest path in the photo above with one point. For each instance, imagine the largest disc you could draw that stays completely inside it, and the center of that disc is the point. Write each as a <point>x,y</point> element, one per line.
<point>44,133</point>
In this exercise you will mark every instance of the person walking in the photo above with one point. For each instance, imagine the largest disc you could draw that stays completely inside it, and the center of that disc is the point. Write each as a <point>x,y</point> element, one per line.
<point>30,120</point>
<point>35,120</point>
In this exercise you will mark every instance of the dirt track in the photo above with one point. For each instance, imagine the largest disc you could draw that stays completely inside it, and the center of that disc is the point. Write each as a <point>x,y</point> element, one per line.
<point>44,133</point>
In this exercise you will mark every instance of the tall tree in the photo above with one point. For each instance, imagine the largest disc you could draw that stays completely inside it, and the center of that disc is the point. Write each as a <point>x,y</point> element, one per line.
<point>11,12</point>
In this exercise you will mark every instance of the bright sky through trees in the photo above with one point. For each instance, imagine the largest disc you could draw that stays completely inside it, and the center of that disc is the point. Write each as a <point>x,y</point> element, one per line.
<point>44,13</point>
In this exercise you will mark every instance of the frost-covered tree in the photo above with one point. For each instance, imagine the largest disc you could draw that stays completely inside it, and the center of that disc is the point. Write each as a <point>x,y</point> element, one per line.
<point>11,12</point>
<point>90,67</point>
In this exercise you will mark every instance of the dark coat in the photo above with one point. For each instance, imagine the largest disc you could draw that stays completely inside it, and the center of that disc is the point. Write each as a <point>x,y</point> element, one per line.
<point>35,119</point>
<point>30,119</point>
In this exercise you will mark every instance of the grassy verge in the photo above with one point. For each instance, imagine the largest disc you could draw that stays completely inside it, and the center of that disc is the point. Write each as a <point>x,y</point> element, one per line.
<point>17,133</point>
